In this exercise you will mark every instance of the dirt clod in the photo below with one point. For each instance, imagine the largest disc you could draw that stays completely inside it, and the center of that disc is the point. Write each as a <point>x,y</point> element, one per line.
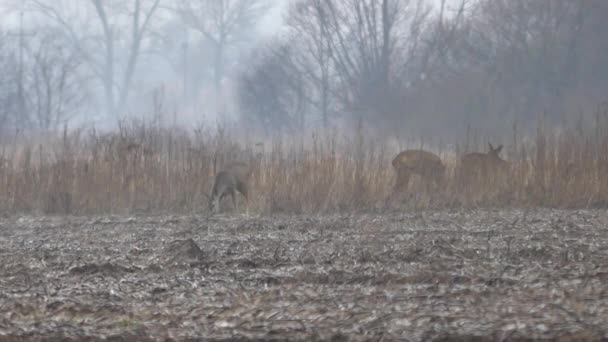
<point>183,251</point>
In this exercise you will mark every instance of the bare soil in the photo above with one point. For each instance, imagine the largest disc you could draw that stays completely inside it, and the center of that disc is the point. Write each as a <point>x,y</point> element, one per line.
<point>447,276</point>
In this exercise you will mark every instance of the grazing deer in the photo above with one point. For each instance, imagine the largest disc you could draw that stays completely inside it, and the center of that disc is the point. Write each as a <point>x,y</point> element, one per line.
<point>417,162</point>
<point>483,168</point>
<point>234,177</point>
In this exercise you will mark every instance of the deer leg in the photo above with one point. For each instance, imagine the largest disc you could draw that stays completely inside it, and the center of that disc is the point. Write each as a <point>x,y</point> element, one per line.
<point>246,204</point>
<point>404,182</point>
<point>428,187</point>
<point>218,201</point>
<point>395,190</point>
<point>403,179</point>
<point>436,186</point>
<point>243,189</point>
<point>234,202</point>
<point>405,187</point>
<point>464,184</point>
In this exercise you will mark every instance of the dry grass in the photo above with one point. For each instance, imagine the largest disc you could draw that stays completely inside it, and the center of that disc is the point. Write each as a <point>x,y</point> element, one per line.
<point>144,168</point>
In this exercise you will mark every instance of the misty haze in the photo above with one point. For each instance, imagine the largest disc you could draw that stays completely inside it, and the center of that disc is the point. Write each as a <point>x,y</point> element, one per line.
<point>304,170</point>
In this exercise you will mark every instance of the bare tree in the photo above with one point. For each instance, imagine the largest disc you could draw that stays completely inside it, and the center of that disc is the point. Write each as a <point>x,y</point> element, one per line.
<point>313,55</point>
<point>55,88</point>
<point>490,63</point>
<point>534,47</point>
<point>593,67</point>
<point>397,64</point>
<point>272,93</point>
<point>364,51</point>
<point>8,92</point>
<point>519,57</point>
<point>111,56</point>
<point>224,24</point>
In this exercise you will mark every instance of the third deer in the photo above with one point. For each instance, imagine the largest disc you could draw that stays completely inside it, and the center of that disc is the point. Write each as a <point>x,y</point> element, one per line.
<point>483,169</point>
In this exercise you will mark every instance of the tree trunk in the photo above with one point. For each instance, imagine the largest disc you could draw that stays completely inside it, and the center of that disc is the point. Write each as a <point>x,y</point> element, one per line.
<point>218,74</point>
<point>386,41</point>
<point>108,77</point>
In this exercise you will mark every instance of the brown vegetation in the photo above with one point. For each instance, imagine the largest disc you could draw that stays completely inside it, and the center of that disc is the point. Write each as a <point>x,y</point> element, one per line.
<point>144,168</point>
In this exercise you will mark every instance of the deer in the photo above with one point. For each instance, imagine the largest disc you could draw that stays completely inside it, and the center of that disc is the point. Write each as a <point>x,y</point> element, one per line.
<point>231,179</point>
<point>476,167</point>
<point>425,164</point>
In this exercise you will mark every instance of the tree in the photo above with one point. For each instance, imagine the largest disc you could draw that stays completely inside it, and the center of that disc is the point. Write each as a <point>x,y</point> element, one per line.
<point>55,89</point>
<point>313,57</point>
<point>534,47</point>
<point>111,56</point>
<point>592,68</point>
<point>399,65</point>
<point>360,53</point>
<point>8,91</point>
<point>224,24</point>
<point>272,92</point>
<point>517,58</point>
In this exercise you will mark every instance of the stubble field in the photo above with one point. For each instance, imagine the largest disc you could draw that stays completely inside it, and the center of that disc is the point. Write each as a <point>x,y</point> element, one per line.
<point>435,275</point>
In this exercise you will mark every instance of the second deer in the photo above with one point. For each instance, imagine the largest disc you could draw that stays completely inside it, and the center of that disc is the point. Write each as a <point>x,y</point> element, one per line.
<point>425,164</point>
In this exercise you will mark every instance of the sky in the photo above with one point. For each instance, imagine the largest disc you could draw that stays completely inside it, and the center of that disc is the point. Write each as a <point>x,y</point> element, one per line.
<point>270,23</point>
<point>273,20</point>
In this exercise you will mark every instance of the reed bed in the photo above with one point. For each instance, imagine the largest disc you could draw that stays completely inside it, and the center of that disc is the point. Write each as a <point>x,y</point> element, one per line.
<point>144,168</point>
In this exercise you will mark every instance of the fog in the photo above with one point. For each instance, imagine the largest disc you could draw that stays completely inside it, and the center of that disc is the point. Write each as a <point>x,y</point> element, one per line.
<point>65,44</point>
<point>399,68</point>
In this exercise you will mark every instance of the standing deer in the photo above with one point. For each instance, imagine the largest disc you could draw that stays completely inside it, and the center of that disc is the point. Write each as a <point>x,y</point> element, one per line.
<point>234,177</point>
<point>417,162</point>
<point>482,168</point>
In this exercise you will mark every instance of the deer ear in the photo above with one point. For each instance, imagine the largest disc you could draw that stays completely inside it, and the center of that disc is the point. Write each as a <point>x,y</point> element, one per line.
<point>498,149</point>
<point>491,147</point>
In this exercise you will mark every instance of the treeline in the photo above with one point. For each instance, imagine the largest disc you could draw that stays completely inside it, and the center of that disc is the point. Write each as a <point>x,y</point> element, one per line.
<point>109,59</point>
<point>405,67</point>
